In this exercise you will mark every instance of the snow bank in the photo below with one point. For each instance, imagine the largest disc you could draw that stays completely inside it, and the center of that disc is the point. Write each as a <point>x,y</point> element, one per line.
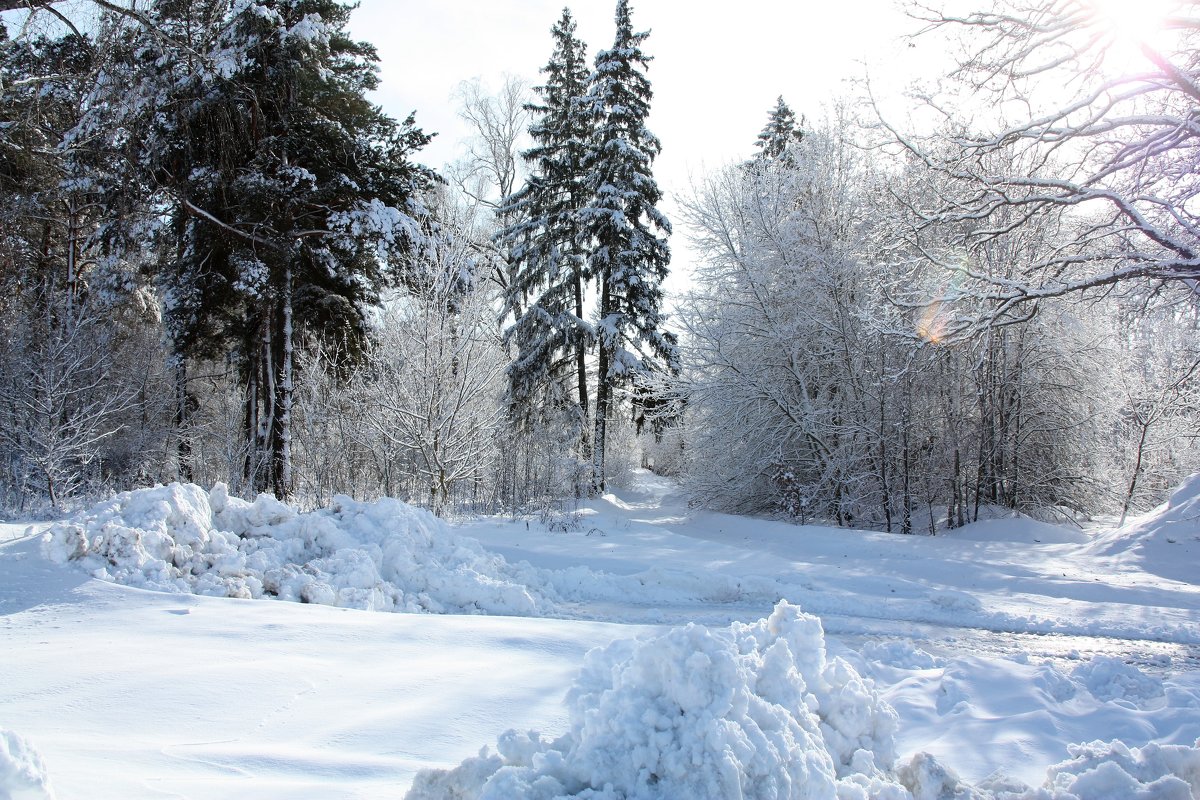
<point>384,555</point>
<point>22,775</point>
<point>1101,770</point>
<point>1165,541</point>
<point>759,711</point>
<point>1095,771</point>
<point>750,711</point>
<point>1016,529</point>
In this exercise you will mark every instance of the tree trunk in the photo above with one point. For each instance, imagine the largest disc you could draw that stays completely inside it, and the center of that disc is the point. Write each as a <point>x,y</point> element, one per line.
<point>581,375</point>
<point>183,440</point>
<point>1137,469</point>
<point>282,446</point>
<point>603,397</point>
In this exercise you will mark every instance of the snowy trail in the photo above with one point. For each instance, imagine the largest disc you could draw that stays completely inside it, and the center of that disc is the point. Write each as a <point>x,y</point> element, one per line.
<point>716,568</point>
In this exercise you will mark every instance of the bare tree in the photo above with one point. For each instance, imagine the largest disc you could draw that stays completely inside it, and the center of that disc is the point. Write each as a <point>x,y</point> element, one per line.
<point>491,167</point>
<point>58,404</point>
<point>431,391</point>
<point>1112,144</point>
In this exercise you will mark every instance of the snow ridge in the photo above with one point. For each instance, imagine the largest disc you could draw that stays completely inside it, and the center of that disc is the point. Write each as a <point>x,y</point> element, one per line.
<point>385,556</point>
<point>22,774</point>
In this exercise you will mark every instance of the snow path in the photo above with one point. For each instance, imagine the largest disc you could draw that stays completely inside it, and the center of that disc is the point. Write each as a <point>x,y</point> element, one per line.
<point>1056,598</point>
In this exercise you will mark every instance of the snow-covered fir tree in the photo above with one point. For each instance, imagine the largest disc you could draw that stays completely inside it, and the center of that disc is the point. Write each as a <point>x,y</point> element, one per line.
<point>781,132</point>
<point>291,195</point>
<point>625,229</point>
<point>546,296</point>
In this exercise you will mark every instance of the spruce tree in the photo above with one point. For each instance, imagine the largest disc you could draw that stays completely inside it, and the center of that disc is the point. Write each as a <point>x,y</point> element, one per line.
<point>626,231</point>
<point>780,132</point>
<point>546,296</point>
<point>291,196</point>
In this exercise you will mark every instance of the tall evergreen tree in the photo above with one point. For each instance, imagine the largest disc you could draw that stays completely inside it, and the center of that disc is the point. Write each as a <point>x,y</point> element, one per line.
<point>780,132</point>
<point>626,231</point>
<point>292,197</point>
<point>546,296</point>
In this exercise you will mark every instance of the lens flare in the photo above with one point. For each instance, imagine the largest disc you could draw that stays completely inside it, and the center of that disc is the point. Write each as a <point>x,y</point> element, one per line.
<point>934,320</point>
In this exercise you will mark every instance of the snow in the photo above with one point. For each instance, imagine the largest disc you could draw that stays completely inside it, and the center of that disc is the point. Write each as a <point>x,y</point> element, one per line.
<point>22,775</point>
<point>384,556</point>
<point>1164,542</point>
<point>752,711</point>
<point>640,649</point>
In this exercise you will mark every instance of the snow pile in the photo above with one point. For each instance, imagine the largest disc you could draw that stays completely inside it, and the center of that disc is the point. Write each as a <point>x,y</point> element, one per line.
<point>1110,679</point>
<point>1095,771</point>
<point>751,711</point>
<point>1100,770</point>
<point>898,653</point>
<point>22,775</point>
<point>384,555</point>
<point>1017,529</point>
<point>1166,541</point>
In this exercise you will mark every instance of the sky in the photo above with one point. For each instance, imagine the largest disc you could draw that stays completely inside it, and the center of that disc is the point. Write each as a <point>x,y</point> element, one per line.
<point>718,66</point>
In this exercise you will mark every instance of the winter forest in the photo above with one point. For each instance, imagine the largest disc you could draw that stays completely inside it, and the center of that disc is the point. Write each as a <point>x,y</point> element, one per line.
<point>917,367</point>
<point>222,262</point>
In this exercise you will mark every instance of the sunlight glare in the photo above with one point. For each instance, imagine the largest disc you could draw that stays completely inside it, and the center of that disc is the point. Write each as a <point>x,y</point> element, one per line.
<point>1131,24</point>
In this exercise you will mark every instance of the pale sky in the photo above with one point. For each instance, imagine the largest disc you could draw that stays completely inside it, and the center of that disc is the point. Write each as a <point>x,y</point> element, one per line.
<point>717,70</point>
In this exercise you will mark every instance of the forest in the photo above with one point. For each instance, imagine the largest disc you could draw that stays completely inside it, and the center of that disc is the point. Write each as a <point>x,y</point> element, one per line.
<point>221,262</point>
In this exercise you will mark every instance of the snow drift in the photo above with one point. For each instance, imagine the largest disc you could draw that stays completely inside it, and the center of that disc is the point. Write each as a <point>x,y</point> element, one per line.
<point>384,555</point>
<point>1166,541</point>
<point>750,711</point>
<point>759,712</point>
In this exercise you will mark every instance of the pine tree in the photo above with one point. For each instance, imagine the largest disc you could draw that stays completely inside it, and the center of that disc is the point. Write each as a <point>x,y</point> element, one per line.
<point>627,232</point>
<point>292,197</point>
<point>546,295</point>
<point>780,133</point>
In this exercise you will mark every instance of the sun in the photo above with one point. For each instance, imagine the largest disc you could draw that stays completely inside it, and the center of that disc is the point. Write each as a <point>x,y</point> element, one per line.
<point>1136,20</point>
<point>1131,26</point>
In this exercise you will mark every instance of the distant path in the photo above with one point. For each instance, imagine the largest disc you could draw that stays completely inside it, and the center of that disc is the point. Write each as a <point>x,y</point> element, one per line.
<point>653,512</point>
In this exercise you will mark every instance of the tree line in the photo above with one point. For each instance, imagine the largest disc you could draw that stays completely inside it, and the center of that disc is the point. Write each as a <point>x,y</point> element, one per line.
<point>221,262</point>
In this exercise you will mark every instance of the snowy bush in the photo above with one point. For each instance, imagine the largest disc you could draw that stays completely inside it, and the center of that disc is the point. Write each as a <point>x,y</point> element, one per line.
<point>750,711</point>
<point>22,774</point>
<point>384,555</point>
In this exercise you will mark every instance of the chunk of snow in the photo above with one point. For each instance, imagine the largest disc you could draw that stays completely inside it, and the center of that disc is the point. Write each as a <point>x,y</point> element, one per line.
<point>22,774</point>
<point>1100,770</point>
<point>899,653</point>
<point>1111,679</point>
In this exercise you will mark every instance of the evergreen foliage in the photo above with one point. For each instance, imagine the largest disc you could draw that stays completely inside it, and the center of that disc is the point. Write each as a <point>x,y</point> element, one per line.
<point>546,296</point>
<point>292,197</point>
<point>780,133</point>
<point>629,255</point>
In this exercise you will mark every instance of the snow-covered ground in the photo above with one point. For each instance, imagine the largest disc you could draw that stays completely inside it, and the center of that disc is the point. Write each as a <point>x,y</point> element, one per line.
<point>139,658</point>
